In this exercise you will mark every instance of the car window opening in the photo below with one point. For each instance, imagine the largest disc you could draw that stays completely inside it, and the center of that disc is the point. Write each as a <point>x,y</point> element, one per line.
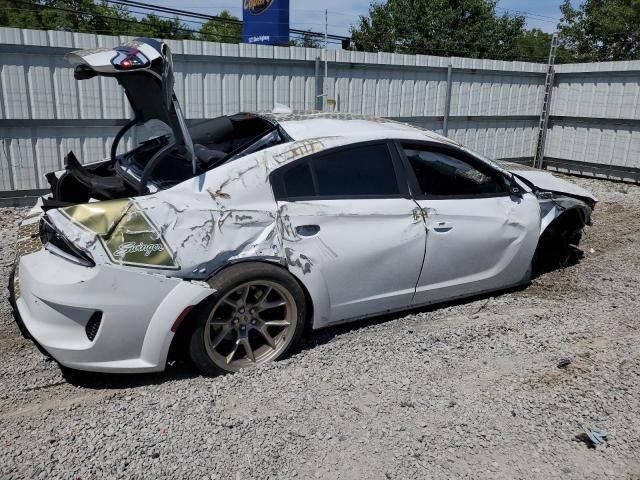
<point>440,174</point>
<point>360,171</point>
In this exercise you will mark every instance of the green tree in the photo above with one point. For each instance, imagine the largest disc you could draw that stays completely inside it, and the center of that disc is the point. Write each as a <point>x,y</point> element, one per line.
<point>601,30</point>
<point>533,44</point>
<point>159,27</point>
<point>469,28</point>
<point>80,16</point>
<point>222,31</point>
<point>16,14</point>
<point>88,16</point>
<point>306,40</point>
<point>112,20</point>
<point>71,15</point>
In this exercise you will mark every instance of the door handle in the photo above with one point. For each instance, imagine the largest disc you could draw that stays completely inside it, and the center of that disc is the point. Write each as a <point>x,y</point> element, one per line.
<point>442,227</point>
<point>307,230</point>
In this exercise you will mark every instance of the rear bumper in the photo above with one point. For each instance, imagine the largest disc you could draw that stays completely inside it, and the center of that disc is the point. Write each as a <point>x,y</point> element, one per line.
<point>14,307</point>
<point>59,303</point>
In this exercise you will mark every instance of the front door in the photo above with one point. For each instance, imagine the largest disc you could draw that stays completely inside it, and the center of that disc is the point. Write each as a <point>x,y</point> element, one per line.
<point>479,237</point>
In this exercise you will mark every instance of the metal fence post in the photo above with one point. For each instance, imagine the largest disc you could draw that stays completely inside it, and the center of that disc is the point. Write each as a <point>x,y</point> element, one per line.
<point>447,101</point>
<point>319,86</point>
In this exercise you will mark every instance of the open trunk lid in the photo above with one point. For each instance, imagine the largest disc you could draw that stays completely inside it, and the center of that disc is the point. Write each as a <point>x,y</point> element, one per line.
<point>144,69</point>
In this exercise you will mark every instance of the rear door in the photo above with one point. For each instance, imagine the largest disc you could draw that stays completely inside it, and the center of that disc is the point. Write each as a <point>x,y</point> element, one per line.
<point>351,228</point>
<point>479,236</point>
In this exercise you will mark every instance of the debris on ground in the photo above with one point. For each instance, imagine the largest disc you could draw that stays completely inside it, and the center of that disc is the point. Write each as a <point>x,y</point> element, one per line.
<point>593,437</point>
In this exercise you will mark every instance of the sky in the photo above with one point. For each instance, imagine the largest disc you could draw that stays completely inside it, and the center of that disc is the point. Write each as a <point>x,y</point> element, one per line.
<point>309,14</point>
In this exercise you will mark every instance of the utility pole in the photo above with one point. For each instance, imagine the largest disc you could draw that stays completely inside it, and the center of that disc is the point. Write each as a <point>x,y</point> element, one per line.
<point>543,123</point>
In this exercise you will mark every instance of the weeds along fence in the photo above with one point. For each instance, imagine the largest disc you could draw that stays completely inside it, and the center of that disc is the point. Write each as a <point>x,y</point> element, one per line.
<point>491,106</point>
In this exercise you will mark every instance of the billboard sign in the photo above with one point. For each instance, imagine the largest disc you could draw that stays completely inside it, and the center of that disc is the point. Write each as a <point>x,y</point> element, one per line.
<point>265,22</point>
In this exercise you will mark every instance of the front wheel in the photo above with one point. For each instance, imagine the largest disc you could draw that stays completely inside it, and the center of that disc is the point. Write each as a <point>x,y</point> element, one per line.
<point>256,315</point>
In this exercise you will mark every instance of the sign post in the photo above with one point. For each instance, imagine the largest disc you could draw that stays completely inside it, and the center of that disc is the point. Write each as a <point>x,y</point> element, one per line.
<point>265,22</point>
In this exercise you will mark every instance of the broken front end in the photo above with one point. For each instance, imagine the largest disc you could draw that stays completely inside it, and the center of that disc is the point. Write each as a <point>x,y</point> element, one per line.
<point>565,209</point>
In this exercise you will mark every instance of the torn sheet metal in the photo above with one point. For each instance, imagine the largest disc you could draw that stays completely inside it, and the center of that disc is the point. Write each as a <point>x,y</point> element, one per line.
<point>547,181</point>
<point>553,205</point>
<point>196,228</point>
<point>124,230</point>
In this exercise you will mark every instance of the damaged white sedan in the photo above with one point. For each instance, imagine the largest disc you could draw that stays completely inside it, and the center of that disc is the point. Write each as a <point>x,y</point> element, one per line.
<point>224,239</point>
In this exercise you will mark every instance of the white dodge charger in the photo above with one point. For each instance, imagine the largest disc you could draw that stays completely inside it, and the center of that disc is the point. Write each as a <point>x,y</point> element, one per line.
<point>224,239</point>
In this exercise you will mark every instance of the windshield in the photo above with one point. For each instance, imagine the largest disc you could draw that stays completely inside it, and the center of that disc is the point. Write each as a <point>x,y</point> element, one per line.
<point>492,163</point>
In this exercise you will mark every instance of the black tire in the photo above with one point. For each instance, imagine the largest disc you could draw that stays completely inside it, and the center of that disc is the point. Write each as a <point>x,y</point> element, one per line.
<point>225,283</point>
<point>558,245</point>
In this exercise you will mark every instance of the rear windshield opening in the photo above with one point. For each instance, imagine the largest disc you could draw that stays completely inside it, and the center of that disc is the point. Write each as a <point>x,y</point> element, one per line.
<point>229,133</point>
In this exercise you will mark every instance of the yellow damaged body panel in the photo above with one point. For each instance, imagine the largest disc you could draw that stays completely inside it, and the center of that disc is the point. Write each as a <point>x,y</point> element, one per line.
<point>129,237</point>
<point>98,217</point>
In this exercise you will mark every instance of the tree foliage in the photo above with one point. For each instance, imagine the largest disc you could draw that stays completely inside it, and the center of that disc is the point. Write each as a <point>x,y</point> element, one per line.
<point>469,28</point>
<point>597,30</point>
<point>103,18</point>
<point>534,44</point>
<point>306,40</point>
<point>601,30</point>
<point>69,15</point>
<point>154,26</point>
<point>225,32</point>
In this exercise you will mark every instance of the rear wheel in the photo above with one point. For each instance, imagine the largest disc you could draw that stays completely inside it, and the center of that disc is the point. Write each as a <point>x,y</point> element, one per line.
<point>256,315</point>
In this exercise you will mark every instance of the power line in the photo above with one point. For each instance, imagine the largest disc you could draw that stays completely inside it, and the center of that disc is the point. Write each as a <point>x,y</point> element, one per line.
<point>236,7</point>
<point>534,16</point>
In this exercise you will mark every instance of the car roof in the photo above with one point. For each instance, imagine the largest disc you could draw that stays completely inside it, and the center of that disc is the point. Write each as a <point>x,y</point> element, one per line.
<point>355,128</point>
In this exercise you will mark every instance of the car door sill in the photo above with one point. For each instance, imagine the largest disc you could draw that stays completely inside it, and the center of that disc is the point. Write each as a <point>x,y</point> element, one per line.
<point>525,281</point>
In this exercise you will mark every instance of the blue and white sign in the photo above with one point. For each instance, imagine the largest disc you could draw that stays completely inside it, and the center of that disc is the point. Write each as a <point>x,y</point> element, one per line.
<point>265,22</point>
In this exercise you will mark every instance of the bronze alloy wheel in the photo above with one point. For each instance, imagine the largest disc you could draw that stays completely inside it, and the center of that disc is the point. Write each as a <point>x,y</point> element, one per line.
<point>250,325</point>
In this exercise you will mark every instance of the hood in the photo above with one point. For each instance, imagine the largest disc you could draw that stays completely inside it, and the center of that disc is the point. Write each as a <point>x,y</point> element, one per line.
<point>144,69</point>
<point>547,181</point>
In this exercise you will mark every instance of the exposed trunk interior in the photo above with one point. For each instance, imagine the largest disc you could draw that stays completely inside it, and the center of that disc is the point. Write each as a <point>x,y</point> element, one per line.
<point>216,141</point>
<point>144,69</point>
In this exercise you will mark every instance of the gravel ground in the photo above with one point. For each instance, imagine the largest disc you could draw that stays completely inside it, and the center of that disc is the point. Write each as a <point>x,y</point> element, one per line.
<point>468,390</point>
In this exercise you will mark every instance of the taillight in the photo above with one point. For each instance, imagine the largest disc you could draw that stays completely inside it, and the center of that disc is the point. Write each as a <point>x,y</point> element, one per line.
<point>129,58</point>
<point>57,244</point>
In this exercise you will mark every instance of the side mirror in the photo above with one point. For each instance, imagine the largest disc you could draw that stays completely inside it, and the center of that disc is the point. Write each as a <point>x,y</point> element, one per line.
<point>514,188</point>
